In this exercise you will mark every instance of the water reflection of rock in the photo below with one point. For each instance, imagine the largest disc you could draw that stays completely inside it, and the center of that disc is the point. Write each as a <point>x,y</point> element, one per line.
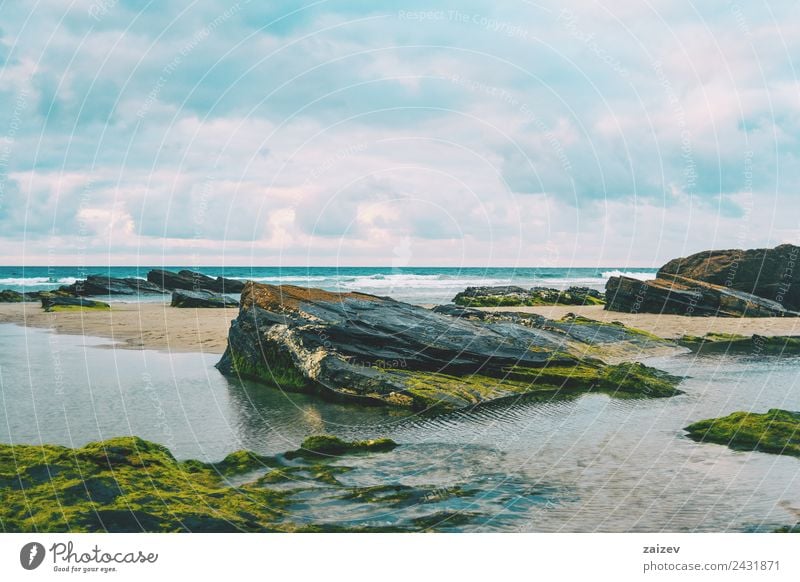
<point>270,420</point>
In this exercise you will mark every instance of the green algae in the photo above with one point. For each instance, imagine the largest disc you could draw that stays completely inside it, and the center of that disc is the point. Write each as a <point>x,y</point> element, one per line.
<point>735,343</point>
<point>274,368</point>
<point>507,301</point>
<point>635,379</point>
<point>327,445</point>
<point>240,462</point>
<point>437,392</point>
<point>124,484</point>
<point>319,473</point>
<point>574,319</point>
<point>624,379</point>
<point>776,431</point>
<point>9,296</point>
<point>95,306</point>
<point>128,484</point>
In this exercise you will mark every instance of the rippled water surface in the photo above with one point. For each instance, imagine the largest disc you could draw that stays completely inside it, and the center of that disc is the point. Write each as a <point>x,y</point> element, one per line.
<point>586,464</point>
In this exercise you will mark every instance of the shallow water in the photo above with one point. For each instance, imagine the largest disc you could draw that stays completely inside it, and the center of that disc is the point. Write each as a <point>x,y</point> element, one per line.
<point>587,464</point>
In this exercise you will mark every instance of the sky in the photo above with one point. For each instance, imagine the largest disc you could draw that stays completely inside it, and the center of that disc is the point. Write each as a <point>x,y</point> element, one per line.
<point>470,133</point>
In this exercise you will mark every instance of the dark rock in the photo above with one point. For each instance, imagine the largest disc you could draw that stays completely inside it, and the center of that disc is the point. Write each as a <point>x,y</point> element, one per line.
<point>754,345</point>
<point>377,350</point>
<point>102,285</point>
<point>680,296</point>
<point>617,341</point>
<point>192,281</point>
<point>511,296</point>
<point>184,298</point>
<point>9,296</point>
<point>464,312</point>
<point>331,446</point>
<point>95,489</point>
<point>62,303</point>
<point>770,273</point>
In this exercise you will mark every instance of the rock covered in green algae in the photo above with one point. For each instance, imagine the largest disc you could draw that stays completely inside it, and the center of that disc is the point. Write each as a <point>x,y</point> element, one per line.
<point>511,296</point>
<point>123,484</point>
<point>130,485</point>
<point>775,431</point>
<point>327,445</point>
<point>376,350</point>
<point>734,343</point>
<point>53,302</point>
<point>9,296</point>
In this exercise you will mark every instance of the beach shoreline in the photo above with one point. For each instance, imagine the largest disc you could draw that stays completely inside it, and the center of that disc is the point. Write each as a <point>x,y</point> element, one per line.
<point>155,326</point>
<point>158,326</point>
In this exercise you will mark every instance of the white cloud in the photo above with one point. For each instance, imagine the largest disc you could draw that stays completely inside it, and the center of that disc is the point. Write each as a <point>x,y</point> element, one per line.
<point>510,134</point>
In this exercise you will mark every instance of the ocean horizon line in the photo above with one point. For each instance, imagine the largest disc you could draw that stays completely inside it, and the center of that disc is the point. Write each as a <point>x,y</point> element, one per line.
<point>212,266</point>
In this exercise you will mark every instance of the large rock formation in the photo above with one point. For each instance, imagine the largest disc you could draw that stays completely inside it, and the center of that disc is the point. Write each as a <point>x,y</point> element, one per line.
<point>381,351</point>
<point>185,298</point>
<point>510,296</point>
<point>103,285</point>
<point>680,296</point>
<point>193,281</point>
<point>755,283</point>
<point>770,273</point>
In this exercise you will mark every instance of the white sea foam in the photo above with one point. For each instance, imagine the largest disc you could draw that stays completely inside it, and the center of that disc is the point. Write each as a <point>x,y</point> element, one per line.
<point>420,281</point>
<point>36,281</point>
<point>27,281</point>
<point>633,275</point>
<point>283,279</point>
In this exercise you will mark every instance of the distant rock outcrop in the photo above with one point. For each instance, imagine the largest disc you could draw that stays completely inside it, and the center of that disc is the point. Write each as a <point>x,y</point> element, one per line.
<point>102,285</point>
<point>755,283</point>
<point>513,296</point>
<point>202,298</point>
<point>52,302</point>
<point>193,281</point>
<point>11,296</point>
<point>376,350</point>
<point>770,273</point>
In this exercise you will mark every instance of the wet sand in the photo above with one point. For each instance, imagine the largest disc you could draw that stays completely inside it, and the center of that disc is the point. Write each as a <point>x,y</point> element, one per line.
<point>161,327</point>
<point>134,325</point>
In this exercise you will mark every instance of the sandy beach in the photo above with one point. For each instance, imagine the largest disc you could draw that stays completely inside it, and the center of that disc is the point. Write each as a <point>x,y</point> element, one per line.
<point>134,325</point>
<point>161,327</point>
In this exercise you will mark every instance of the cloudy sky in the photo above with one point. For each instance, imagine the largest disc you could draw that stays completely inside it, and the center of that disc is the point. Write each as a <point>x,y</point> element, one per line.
<point>610,133</point>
